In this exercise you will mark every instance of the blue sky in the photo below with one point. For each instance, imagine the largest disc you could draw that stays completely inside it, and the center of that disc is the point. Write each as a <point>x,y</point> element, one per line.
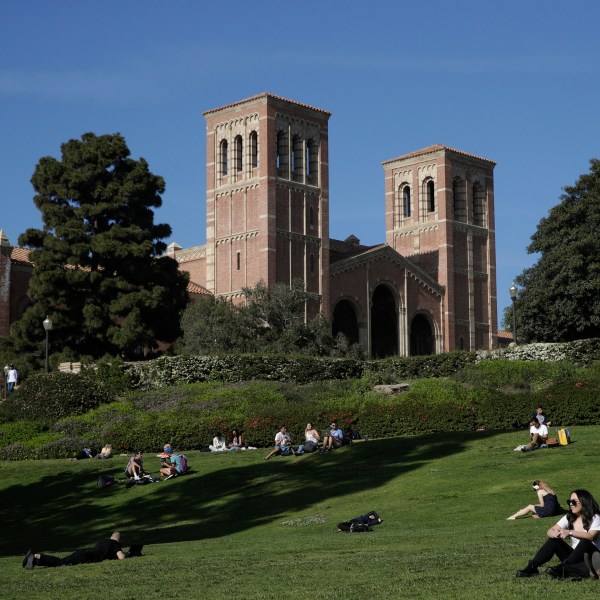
<point>515,82</point>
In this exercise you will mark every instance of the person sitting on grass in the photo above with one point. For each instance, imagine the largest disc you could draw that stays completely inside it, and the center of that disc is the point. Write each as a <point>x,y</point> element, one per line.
<point>219,444</point>
<point>177,465</point>
<point>333,439</point>
<point>135,466</point>
<point>109,549</point>
<point>548,503</point>
<point>538,434</point>
<point>311,437</point>
<point>582,525</point>
<point>106,452</point>
<point>237,440</point>
<point>283,444</point>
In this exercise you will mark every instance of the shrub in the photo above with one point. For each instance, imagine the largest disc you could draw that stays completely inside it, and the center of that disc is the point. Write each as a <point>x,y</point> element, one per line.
<point>396,369</point>
<point>49,397</point>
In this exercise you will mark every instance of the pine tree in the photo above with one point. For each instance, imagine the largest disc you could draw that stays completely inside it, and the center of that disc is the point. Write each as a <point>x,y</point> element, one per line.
<point>98,270</point>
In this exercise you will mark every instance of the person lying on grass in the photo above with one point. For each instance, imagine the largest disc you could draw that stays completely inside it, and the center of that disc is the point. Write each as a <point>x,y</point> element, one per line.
<point>109,549</point>
<point>548,503</point>
<point>582,526</point>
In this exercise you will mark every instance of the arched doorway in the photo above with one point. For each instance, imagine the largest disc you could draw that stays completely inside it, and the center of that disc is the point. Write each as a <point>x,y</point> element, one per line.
<point>345,321</point>
<point>421,337</point>
<point>384,323</point>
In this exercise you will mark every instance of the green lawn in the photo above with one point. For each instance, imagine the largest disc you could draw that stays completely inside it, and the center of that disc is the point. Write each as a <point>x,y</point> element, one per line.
<point>243,527</point>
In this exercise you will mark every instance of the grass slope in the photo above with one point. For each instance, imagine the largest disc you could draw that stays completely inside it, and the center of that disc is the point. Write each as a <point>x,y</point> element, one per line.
<point>243,527</point>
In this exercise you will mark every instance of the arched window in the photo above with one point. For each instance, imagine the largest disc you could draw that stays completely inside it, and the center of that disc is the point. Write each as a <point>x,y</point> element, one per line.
<point>253,149</point>
<point>311,162</point>
<point>430,196</point>
<point>297,157</point>
<point>239,153</point>
<point>460,202</point>
<point>406,200</point>
<point>223,156</point>
<point>478,205</point>
<point>283,155</point>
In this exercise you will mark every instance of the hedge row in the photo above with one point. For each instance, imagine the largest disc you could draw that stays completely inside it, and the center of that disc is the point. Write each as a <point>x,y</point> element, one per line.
<point>429,406</point>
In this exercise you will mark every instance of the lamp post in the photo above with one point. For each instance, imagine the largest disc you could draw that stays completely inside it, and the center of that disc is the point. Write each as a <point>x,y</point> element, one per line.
<point>513,291</point>
<point>48,327</point>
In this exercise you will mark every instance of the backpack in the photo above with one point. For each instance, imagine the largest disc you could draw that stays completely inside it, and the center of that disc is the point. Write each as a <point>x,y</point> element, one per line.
<point>183,464</point>
<point>360,524</point>
<point>105,481</point>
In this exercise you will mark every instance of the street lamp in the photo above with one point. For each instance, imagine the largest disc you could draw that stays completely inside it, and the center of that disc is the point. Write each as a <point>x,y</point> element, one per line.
<point>48,327</point>
<point>513,291</point>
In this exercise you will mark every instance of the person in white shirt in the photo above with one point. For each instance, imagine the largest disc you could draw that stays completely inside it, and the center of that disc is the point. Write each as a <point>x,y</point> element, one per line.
<point>219,444</point>
<point>283,444</point>
<point>311,437</point>
<point>538,434</point>
<point>582,526</point>
<point>12,376</point>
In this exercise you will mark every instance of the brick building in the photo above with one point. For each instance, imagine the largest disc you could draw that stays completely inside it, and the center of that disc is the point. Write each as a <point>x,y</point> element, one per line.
<point>431,287</point>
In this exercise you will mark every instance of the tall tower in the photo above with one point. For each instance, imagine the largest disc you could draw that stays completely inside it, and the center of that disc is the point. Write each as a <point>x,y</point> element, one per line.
<point>267,208</point>
<point>440,214</point>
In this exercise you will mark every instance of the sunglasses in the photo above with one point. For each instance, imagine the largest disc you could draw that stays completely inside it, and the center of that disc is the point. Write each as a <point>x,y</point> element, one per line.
<point>572,502</point>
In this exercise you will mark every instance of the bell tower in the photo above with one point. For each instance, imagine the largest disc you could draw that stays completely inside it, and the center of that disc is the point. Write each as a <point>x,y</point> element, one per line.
<point>267,209</point>
<point>440,213</point>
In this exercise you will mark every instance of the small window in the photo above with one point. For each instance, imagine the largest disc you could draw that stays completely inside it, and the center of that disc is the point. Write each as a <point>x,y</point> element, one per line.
<point>239,153</point>
<point>311,217</point>
<point>253,149</point>
<point>406,199</point>
<point>223,157</point>
<point>283,154</point>
<point>430,196</point>
<point>239,261</point>
<point>460,203</point>
<point>312,264</point>
<point>478,205</point>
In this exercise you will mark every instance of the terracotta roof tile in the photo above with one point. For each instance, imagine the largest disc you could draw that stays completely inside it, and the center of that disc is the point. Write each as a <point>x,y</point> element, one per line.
<point>431,150</point>
<point>266,95</point>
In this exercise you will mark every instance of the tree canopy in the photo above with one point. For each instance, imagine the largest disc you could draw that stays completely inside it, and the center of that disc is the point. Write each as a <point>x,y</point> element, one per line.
<point>273,321</point>
<point>98,270</point>
<point>559,298</point>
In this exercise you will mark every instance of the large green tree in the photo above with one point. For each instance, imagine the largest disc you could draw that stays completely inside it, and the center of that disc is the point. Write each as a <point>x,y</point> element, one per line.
<point>98,270</point>
<point>559,298</point>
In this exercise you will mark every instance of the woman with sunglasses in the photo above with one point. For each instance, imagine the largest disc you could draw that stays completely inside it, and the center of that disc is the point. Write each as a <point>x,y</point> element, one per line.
<point>582,525</point>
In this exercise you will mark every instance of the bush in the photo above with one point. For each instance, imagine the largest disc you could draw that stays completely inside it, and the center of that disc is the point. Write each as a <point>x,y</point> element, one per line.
<point>49,397</point>
<point>397,369</point>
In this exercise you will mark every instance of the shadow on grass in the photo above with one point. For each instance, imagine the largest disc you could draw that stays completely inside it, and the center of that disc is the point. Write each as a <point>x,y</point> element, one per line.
<point>219,497</point>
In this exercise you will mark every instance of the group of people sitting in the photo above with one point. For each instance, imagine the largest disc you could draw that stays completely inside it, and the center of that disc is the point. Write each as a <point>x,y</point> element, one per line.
<point>236,442</point>
<point>580,525</point>
<point>172,464</point>
<point>331,439</point>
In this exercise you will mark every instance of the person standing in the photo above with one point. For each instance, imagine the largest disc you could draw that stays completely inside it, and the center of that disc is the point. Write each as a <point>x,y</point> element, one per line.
<point>12,376</point>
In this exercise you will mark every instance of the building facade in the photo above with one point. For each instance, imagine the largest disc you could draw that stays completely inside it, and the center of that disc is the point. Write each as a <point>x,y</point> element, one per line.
<point>429,288</point>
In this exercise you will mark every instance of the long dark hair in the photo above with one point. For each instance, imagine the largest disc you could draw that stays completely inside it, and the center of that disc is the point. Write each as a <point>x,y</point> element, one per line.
<point>589,508</point>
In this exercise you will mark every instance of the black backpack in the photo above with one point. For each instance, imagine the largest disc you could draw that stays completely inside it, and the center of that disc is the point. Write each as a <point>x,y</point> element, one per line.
<point>105,481</point>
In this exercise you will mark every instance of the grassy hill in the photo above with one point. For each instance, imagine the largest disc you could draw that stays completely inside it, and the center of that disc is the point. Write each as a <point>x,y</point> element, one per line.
<point>243,527</point>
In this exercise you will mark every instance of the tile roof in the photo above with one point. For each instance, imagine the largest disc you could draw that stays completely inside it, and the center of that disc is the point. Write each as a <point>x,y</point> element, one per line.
<point>20,255</point>
<point>435,148</point>
<point>265,95</point>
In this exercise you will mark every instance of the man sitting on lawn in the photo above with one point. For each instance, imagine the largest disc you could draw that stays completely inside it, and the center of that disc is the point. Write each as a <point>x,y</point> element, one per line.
<point>135,466</point>
<point>109,549</point>
<point>333,439</point>
<point>176,464</point>
<point>538,434</point>
<point>283,444</point>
